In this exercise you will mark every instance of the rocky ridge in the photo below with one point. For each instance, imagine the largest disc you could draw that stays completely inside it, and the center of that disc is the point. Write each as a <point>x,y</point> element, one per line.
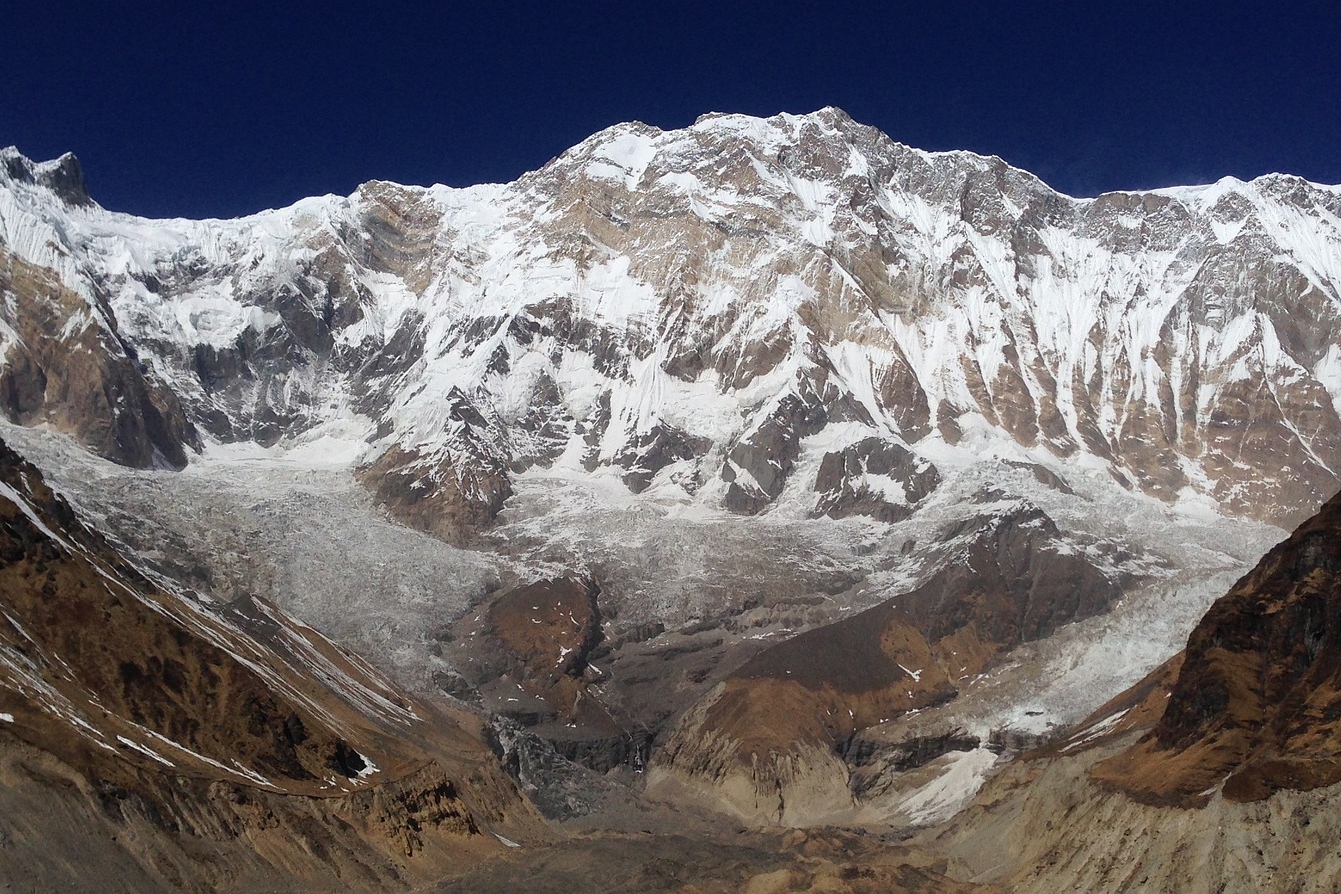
<point>208,745</point>
<point>1254,707</point>
<point>821,696</point>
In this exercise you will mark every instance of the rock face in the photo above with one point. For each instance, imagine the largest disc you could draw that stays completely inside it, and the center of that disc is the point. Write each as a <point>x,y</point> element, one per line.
<point>64,177</point>
<point>189,727</point>
<point>547,630</point>
<point>711,310</point>
<point>872,477</point>
<point>65,367</point>
<point>447,496</point>
<point>528,656</point>
<point>1015,582</point>
<point>1256,706</point>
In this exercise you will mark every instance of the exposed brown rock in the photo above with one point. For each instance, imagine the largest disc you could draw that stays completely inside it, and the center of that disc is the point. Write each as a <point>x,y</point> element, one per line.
<point>86,381</point>
<point>904,399</point>
<point>648,453</point>
<point>1012,585</point>
<point>453,501</point>
<point>776,727</point>
<point>399,232</point>
<point>206,746</point>
<point>1041,826</point>
<point>529,653</point>
<point>843,492</point>
<point>1257,702</point>
<point>550,628</point>
<point>72,828</point>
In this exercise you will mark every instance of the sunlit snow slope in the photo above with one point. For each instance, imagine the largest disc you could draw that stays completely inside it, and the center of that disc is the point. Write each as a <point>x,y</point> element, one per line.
<point>689,309</point>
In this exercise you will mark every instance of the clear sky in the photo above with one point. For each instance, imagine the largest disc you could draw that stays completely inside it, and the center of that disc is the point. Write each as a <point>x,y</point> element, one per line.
<point>183,109</point>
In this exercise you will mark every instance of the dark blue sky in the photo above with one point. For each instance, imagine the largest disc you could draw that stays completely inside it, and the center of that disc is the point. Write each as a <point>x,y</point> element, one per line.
<point>175,110</point>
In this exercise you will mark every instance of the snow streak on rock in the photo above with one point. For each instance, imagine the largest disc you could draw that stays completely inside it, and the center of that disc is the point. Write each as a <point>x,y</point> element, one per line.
<point>704,309</point>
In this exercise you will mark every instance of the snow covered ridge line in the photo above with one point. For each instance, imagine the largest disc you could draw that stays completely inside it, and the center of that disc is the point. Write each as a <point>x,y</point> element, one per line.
<point>698,312</point>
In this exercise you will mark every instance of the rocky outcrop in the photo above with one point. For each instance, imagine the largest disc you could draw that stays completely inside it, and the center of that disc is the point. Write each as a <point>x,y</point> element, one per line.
<point>875,763</point>
<point>549,628</point>
<point>881,479</point>
<point>453,492</point>
<point>529,653</point>
<point>1217,772</point>
<point>1015,581</point>
<point>64,177</point>
<point>770,739</point>
<point>646,454</point>
<point>64,366</point>
<point>438,497</point>
<point>759,464</point>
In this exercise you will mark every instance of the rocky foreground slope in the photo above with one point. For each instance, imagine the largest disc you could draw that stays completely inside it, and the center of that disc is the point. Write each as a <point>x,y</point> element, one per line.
<point>154,739</point>
<point>1218,772</point>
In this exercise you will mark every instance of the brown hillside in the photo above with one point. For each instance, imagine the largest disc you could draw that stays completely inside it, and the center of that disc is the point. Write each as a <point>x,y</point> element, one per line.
<point>1257,704</point>
<point>183,744</point>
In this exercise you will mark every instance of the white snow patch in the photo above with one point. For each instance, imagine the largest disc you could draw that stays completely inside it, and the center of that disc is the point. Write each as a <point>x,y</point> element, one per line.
<point>145,751</point>
<point>369,768</point>
<point>938,800</point>
<point>1097,730</point>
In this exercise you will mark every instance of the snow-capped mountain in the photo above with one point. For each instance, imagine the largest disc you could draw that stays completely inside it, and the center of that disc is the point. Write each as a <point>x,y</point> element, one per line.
<point>702,309</point>
<point>742,380</point>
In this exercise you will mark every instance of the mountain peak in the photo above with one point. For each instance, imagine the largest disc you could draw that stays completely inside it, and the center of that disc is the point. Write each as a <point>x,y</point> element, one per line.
<point>64,176</point>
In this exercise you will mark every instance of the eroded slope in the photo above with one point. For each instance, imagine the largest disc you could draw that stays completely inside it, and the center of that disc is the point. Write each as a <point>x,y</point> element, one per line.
<point>207,745</point>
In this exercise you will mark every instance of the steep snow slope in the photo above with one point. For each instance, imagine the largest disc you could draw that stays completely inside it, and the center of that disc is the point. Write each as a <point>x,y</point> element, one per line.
<point>690,306</point>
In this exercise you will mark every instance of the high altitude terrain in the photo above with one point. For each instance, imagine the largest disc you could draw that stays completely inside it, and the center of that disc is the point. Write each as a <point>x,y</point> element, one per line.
<point>767,467</point>
<point>1218,772</point>
<point>156,739</point>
